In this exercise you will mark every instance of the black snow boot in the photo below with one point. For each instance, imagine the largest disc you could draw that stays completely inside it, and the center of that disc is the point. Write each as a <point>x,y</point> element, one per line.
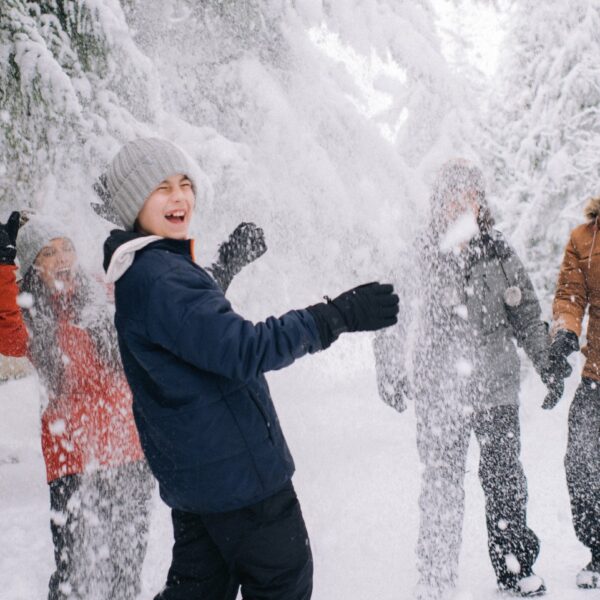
<point>522,586</point>
<point>589,577</point>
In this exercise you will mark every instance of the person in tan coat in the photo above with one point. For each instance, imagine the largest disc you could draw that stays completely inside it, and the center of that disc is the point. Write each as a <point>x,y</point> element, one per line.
<point>578,290</point>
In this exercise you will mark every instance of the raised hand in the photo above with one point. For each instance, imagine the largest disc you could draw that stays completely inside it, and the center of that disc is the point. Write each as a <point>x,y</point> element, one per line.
<point>8,239</point>
<point>244,245</point>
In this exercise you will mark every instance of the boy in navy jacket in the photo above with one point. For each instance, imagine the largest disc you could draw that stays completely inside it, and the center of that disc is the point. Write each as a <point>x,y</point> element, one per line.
<point>202,406</point>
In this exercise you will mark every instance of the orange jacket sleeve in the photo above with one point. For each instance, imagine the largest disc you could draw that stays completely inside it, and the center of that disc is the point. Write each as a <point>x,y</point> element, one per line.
<point>13,333</point>
<point>571,298</point>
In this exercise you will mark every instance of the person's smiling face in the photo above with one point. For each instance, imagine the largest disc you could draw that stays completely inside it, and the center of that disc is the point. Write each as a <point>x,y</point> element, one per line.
<point>167,211</point>
<point>56,264</point>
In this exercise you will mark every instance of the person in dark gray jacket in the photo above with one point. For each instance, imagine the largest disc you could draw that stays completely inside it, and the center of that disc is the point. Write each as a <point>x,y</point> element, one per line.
<point>465,301</point>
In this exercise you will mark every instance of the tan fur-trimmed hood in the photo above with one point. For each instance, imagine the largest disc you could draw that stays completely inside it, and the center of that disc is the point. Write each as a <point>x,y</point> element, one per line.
<point>592,209</point>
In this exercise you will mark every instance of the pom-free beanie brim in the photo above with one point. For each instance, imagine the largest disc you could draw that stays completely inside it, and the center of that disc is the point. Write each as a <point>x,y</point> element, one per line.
<point>34,235</point>
<point>137,169</point>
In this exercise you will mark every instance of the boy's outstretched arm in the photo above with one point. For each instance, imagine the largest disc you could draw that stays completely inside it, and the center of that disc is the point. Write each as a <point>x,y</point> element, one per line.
<point>197,324</point>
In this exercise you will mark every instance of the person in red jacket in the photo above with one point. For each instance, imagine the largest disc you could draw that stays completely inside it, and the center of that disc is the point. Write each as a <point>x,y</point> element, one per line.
<point>100,485</point>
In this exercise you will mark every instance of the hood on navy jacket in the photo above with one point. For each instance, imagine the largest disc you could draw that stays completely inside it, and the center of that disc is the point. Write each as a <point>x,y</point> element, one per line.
<point>202,406</point>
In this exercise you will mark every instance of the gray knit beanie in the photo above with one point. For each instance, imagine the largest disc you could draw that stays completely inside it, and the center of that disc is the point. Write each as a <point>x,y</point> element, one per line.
<point>137,169</point>
<point>37,232</point>
<point>454,178</point>
<point>457,176</point>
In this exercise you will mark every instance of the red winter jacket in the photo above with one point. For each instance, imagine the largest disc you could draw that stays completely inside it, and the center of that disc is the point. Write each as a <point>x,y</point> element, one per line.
<point>89,422</point>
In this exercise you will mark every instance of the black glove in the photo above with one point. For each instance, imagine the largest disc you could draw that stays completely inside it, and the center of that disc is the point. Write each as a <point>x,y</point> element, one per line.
<point>557,368</point>
<point>367,307</point>
<point>555,392</point>
<point>8,239</point>
<point>245,245</point>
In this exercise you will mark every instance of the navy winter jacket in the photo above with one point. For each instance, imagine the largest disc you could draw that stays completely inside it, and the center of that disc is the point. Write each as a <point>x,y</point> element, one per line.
<point>202,406</point>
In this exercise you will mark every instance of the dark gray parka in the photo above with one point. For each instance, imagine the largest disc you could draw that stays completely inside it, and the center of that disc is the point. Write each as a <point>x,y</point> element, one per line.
<point>461,314</point>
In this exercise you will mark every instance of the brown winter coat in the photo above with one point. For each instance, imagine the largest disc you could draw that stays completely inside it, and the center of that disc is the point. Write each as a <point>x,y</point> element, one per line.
<point>578,287</point>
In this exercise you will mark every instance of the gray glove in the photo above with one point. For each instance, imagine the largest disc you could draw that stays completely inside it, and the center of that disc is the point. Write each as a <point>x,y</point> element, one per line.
<point>394,393</point>
<point>245,245</point>
<point>558,368</point>
<point>555,392</point>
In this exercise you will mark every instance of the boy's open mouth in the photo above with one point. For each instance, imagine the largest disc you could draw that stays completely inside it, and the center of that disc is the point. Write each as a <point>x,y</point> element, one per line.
<point>175,216</point>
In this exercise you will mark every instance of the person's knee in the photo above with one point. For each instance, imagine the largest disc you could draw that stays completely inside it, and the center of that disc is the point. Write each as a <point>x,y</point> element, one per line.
<point>577,458</point>
<point>443,475</point>
<point>506,471</point>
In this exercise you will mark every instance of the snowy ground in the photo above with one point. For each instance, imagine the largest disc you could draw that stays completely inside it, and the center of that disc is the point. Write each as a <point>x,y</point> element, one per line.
<point>357,478</point>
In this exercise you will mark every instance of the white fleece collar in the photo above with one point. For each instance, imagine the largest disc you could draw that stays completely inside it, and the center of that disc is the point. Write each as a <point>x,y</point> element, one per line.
<point>123,256</point>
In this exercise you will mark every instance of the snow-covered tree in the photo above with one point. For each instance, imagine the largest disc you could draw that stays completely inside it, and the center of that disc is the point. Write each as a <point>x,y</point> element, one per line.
<point>320,120</point>
<point>281,95</point>
<point>544,129</point>
<point>72,85</point>
<point>282,103</point>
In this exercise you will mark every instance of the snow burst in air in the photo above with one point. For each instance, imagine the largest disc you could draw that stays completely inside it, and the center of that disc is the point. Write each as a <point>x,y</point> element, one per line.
<point>459,233</point>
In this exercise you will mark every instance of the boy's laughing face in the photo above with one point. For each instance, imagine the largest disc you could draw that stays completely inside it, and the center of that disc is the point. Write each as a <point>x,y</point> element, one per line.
<point>167,211</point>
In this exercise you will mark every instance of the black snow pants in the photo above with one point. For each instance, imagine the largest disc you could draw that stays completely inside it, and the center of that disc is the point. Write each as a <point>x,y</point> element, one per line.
<point>443,440</point>
<point>582,463</point>
<point>263,548</point>
<point>99,524</point>
<point>505,489</point>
